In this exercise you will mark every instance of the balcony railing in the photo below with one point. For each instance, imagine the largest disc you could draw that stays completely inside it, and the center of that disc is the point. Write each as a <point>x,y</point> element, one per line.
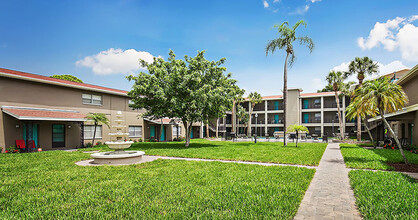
<point>311,120</point>
<point>258,108</point>
<point>275,108</point>
<point>275,121</point>
<point>332,105</point>
<point>311,106</point>
<point>259,121</point>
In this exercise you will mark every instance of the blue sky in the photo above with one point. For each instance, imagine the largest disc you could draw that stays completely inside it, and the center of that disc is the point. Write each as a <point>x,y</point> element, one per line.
<point>100,41</point>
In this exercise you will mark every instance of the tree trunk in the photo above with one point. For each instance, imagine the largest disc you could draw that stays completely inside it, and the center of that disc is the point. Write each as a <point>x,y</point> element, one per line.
<point>249,122</point>
<point>207,130</point>
<point>285,98</point>
<point>187,127</point>
<point>217,126</point>
<point>337,100</point>
<point>360,84</point>
<point>394,137</point>
<point>94,134</point>
<point>297,138</point>
<point>370,134</point>
<point>234,124</point>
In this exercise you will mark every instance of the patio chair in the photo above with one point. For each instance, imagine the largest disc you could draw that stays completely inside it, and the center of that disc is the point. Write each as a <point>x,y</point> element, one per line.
<point>31,144</point>
<point>20,144</point>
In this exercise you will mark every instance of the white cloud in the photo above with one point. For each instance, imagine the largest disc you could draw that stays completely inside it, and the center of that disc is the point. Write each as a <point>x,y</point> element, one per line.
<point>383,69</point>
<point>115,61</point>
<point>300,10</point>
<point>276,1</point>
<point>397,33</point>
<point>317,84</point>
<point>313,1</point>
<point>266,4</point>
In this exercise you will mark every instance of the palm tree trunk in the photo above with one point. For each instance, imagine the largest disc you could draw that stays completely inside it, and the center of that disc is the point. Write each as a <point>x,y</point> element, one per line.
<point>249,122</point>
<point>207,130</point>
<point>234,124</point>
<point>285,98</point>
<point>394,137</point>
<point>337,100</point>
<point>162,127</point>
<point>368,131</point>
<point>94,134</point>
<point>297,138</point>
<point>360,84</point>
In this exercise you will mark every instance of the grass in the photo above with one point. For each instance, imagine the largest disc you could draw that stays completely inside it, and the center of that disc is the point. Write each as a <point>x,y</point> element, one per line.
<point>304,154</point>
<point>358,157</point>
<point>48,185</point>
<point>385,195</point>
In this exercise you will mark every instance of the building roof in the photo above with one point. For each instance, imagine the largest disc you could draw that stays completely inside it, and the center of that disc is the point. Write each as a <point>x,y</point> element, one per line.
<point>317,94</point>
<point>43,114</point>
<point>411,74</point>
<point>166,121</point>
<point>45,79</point>
<point>405,110</point>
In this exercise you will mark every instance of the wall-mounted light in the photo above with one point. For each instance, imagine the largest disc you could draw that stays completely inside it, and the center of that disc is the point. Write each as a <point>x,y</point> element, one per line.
<point>17,126</point>
<point>69,126</point>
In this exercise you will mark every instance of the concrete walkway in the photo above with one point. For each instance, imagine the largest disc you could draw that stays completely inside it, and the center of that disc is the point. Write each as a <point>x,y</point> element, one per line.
<point>329,195</point>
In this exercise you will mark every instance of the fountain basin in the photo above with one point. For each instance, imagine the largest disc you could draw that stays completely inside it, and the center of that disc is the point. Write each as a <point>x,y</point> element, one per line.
<point>117,157</point>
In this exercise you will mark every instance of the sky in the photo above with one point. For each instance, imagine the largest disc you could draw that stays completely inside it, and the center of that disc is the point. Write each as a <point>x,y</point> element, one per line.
<point>100,42</point>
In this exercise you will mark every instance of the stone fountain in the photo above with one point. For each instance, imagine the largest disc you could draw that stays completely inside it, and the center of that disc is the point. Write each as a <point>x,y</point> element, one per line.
<point>119,156</point>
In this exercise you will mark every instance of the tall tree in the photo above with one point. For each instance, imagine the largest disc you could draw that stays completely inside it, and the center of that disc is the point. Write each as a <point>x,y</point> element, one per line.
<point>254,98</point>
<point>97,118</point>
<point>361,67</point>
<point>285,42</point>
<point>384,96</point>
<point>193,89</point>
<point>242,116</point>
<point>336,80</point>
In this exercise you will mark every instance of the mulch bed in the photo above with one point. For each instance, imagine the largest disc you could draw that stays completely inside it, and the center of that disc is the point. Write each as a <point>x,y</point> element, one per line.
<point>412,168</point>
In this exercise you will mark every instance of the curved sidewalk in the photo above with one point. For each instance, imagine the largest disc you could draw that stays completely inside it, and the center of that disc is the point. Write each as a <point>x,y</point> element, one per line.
<point>329,195</point>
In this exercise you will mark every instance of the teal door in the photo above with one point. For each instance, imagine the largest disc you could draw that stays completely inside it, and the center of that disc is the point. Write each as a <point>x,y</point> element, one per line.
<point>162,134</point>
<point>152,131</point>
<point>276,105</point>
<point>276,119</point>
<point>305,104</point>
<point>35,131</point>
<point>58,135</point>
<point>276,129</point>
<point>305,118</point>
<point>191,133</point>
<point>204,132</point>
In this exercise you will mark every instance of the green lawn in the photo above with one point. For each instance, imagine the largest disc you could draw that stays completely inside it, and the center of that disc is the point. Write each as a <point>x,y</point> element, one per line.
<point>304,154</point>
<point>48,185</point>
<point>358,157</point>
<point>385,195</point>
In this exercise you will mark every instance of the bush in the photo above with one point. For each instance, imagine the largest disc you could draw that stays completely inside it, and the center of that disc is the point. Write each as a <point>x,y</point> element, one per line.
<point>12,149</point>
<point>140,140</point>
<point>98,143</point>
<point>88,145</point>
<point>179,139</point>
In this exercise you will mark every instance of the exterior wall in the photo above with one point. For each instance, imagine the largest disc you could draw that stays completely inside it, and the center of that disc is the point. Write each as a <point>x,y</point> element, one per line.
<point>25,93</point>
<point>293,108</point>
<point>411,89</point>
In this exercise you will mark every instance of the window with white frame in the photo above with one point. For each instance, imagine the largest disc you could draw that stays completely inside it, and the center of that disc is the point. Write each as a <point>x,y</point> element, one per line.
<point>89,131</point>
<point>135,131</point>
<point>92,99</point>
<point>175,130</point>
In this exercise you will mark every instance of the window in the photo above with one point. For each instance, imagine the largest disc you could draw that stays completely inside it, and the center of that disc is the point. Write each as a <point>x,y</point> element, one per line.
<point>92,99</point>
<point>175,129</point>
<point>317,116</point>
<point>89,130</point>
<point>135,131</point>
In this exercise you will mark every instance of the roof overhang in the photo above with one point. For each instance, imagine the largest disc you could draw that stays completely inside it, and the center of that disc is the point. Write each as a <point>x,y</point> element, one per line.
<point>405,110</point>
<point>166,121</point>
<point>84,87</point>
<point>43,114</point>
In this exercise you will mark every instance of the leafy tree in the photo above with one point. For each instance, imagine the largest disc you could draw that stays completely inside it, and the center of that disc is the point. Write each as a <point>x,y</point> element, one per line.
<point>67,77</point>
<point>242,115</point>
<point>97,118</point>
<point>361,67</point>
<point>385,97</point>
<point>285,42</point>
<point>254,99</point>
<point>336,82</point>
<point>193,89</point>
<point>297,129</point>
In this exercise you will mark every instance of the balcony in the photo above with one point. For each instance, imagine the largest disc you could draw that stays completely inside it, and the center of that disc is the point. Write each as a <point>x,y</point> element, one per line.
<point>311,121</point>
<point>273,121</point>
<point>274,105</point>
<point>332,104</point>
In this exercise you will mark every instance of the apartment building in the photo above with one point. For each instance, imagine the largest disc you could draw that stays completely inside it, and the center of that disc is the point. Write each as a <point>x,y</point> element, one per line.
<point>316,111</point>
<point>51,113</point>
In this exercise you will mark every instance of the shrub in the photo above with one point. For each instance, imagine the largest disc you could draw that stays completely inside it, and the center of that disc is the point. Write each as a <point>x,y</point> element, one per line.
<point>12,149</point>
<point>88,145</point>
<point>98,143</point>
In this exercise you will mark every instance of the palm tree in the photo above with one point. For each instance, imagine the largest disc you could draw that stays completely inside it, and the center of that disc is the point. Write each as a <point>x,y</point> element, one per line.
<point>354,111</point>
<point>384,96</point>
<point>97,118</point>
<point>336,80</point>
<point>254,99</point>
<point>361,67</point>
<point>285,42</point>
<point>297,129</point>
<point>242,116</point>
